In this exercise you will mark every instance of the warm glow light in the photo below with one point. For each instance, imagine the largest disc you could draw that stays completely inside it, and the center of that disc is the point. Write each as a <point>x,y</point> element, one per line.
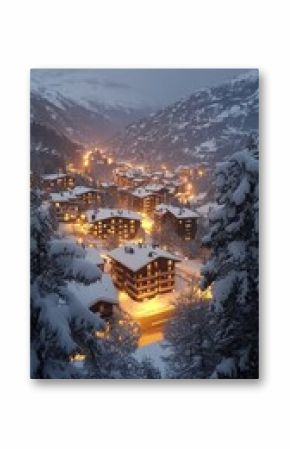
<point>202,295</point>
<point>77,358</point>
<point>188,187</point>
<point>147,223</point>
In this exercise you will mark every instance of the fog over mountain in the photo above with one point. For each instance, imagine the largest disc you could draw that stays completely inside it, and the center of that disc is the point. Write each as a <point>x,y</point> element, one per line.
<point>199,115</point>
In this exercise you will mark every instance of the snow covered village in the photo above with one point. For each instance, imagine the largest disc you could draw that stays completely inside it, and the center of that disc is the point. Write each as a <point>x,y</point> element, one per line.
<point>144,225</point>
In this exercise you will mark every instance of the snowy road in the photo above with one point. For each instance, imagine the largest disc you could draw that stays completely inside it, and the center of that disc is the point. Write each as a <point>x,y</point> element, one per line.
<point>152,327</point>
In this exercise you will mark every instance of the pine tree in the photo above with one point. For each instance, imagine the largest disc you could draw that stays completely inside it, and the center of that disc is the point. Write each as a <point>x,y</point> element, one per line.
<point>60,325</point>
<point>233,267</point>
<point>115,359</point>
<point>189,337</point>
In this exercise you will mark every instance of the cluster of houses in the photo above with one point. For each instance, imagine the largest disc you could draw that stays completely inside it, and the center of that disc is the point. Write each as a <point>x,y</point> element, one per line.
<point>142,270</point>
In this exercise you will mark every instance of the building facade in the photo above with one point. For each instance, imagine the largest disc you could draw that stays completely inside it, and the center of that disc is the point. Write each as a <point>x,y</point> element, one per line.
<point>143,271</point>
<point>120,223</point>
<point>66,206</point>
<point>181,220</point>
<point>57,181</point>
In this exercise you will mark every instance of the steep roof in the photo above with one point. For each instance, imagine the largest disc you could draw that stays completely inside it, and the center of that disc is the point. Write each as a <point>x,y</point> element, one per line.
<point>137,256</point>
<point>104,213</point>
<point>141,192</point>
<point>80,190</point>
<point>54,176</point>
<point>61,197</point>
<point>155,187</point>
<point>178,212</point>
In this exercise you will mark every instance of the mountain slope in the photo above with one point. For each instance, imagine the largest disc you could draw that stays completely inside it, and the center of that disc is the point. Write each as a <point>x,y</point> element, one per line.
<point>51,151</point>
<point>204,127</point>
<point>86,124</point>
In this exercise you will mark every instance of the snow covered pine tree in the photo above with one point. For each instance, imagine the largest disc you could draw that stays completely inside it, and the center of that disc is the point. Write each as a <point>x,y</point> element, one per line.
<point>233,267</point>
<point>115,358</point>
<point>189,337</point>
<point>60,325</point>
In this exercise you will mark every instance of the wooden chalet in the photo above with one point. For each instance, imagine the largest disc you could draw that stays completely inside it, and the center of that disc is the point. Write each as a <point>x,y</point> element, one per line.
<point>105,222</point>
<point>66,206</point>
<point>182,221</point>
<point>143,271</point>
<point>57,181</point>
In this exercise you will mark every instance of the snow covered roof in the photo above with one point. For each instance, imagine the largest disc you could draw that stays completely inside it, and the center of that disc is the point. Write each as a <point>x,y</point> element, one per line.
<point>80,190</point>
<point>54,176</point>
<point>102,290</point>
<point>169,175</point>
<point>104,213</point>
<point>141,192</point>
<point>93,255</point>
<point>137,256</point>
<point>205,209</point>
<point>201,196</point>
<point>178,212</point>
<point>107,184</point>
<point>154,187</point>
<point>60,197</point>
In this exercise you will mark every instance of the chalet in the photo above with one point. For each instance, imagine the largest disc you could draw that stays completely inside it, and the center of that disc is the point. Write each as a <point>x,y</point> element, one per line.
<point>100,297</point>
<point>121,223</point>
<point>183,221</point>
<point>163,192</point>
<point>66,206</point>
<point>87,195</point>
<point>57,181</point>
<point>109,188</point>
<point>130,178</point>
<point>143,271</point>
<point>143,200</point>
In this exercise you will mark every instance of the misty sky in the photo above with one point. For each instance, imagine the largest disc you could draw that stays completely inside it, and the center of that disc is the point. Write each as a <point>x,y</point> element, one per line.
<point>151,87</point>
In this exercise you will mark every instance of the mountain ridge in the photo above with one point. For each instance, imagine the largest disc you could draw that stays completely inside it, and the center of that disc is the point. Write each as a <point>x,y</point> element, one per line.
<point>203,127</point>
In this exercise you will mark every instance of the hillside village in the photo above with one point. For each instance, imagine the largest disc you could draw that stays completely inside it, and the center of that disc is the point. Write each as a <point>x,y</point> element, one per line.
<point>122,222</point>
<point>144,245</point>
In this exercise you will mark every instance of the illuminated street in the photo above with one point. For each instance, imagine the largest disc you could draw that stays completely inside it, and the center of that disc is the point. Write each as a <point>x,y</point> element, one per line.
<point>151,315</point>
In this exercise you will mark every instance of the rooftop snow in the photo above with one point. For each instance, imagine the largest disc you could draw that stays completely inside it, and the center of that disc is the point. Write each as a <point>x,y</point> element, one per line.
<point>178,212</point>
<point>154,187</point>
<point>104,213</point>
<point>140,256</point>
<point>80,190</point>
<point>141,192</point>
<point>64,196</point>
<point>53,176</point>
<point>205,209</point>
